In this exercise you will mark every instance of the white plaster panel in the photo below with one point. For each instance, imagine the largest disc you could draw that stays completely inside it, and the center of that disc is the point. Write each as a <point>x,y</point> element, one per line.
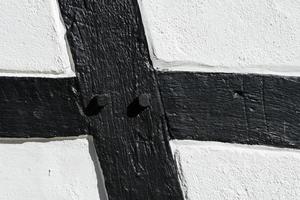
<point>61,169</point>
<point>32,39</point>
<point>219,171</point>
<point>245,36</point>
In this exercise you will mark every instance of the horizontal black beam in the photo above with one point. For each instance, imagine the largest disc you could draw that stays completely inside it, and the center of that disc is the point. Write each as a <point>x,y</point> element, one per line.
<point>248,109</point>
<point>40,107</point>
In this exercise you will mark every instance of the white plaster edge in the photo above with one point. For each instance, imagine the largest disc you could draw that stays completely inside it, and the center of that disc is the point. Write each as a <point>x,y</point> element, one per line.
<point>222,145</point>
<point>68,70</point>
<point>12,140</point>
<point>66,74</point>
<point>176,144</point>
<point>147,32</point>
<point>61,30</point>
<point>190,66</point>
<point>219,146</point>
<point>180,173</point>
<point>100,177</point>
<point>92,150</point>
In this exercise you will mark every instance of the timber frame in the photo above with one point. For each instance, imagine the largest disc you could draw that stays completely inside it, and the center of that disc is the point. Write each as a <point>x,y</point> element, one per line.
<point>111,58</point>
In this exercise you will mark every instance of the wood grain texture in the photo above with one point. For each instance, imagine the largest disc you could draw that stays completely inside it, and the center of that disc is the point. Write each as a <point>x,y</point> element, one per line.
<point>236,108</point>
<point>110,53</point>
<point>40,107</point>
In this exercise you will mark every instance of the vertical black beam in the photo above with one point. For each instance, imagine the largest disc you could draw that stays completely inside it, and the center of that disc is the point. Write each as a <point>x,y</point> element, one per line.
<point>109,49</point>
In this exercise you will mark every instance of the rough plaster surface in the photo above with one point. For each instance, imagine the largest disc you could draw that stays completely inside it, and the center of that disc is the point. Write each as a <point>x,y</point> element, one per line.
<point>211,170</point>
<point>223,35</point>
<point>32,40</point>
<point>48,170</point>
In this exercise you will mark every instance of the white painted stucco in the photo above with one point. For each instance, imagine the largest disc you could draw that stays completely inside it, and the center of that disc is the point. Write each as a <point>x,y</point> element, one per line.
<point>41,169</point>
<point>32,39</point>
<point>219,171</point>
<point>244,36</point>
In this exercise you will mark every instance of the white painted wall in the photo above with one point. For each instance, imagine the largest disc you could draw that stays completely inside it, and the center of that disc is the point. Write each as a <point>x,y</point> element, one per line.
<point>219,171</point>
<point>32,39</point>
<point>41,169</point>
<point>245,36</point>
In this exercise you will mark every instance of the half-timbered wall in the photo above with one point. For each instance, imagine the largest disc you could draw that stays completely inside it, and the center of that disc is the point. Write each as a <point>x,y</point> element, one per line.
<point>149,99</point>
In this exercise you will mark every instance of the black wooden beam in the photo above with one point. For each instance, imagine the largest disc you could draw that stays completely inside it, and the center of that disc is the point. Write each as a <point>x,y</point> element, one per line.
<point>236,108</point>
<point>40,107</point>
<point>110,53</point>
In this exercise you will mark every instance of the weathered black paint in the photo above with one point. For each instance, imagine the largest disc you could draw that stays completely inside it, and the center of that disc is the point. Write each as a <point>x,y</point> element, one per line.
<point>250,109</point>
<point>110,53</point>
<point>40,107</point>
